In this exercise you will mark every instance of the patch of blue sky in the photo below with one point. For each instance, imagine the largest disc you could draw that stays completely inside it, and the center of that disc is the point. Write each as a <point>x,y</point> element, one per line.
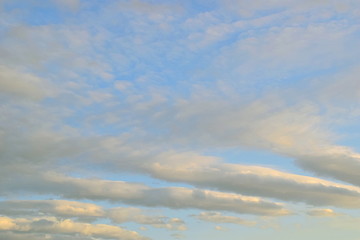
<point>349,134</point>
<point>23,195</point>
<point>256,157</point>
<point>35,13</point>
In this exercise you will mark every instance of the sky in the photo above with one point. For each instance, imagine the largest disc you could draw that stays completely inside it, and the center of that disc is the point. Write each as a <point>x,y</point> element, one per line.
<point>193,120</point>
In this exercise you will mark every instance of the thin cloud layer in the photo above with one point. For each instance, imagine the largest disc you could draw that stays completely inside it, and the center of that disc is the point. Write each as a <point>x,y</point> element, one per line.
<point>149,111</point>
<point>217,217</point>
<point>326,212</point>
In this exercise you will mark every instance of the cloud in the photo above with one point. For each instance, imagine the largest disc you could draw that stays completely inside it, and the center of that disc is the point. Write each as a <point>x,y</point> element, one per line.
<point>139,194</point>
<point>295,132</point>
<point>88,211</point>
<point>69,4</point>
<point>52,225</point>
<point>149,88</point>
<point>120,215</point>
<point>155,11</point>
<point>23,85</point>
<point>336,161</point>
<point>61,208</point>
<point>220,228</point>
<point>322,213</point>
<point>217,217</point>
<point>210,172</point>
<point>25,236</point>
<point>259,6</point>
<point>261,181</point>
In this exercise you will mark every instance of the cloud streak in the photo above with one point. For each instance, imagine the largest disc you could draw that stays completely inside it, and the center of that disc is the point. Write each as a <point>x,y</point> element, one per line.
<point>140,194</point>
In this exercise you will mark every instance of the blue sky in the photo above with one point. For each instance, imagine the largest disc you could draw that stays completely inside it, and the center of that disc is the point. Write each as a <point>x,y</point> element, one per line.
<point>139,119</point>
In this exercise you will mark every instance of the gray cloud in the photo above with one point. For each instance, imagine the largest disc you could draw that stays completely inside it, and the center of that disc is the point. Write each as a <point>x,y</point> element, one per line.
<point>210,172</point>
<point>120,215</point>
<point>139,194</point>
<point>217,217</point>
<point>66,64</point>
<point>293,132</point>
<point>23,85</point>
<point>261,181</point>
<point>88,211</point>
<point>51,225</point>
<point>338,162</point>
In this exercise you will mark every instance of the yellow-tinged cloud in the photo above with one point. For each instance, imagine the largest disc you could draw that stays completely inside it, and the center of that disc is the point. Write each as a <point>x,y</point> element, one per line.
<point>53,225</point>
<point>7,223</point>
<point>322,212</point>
<point>73,209</point>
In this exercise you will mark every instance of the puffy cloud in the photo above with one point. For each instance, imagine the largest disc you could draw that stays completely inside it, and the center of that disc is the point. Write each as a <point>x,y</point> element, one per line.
<point>217,217</point>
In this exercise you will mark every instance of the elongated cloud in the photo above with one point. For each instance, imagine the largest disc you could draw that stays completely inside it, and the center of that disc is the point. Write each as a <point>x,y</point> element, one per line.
<point>52,225</point>
<point>121,214</point>
<point>217,217</point>
<point>335,161</point>
<point>294,132</point>
<point>262,181</point>
<point>139,194</point>
<point>210,172</point>
<point>152,91</point>
<point>74,209</point>
<point>61,208</point>
<point>322,212</point>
